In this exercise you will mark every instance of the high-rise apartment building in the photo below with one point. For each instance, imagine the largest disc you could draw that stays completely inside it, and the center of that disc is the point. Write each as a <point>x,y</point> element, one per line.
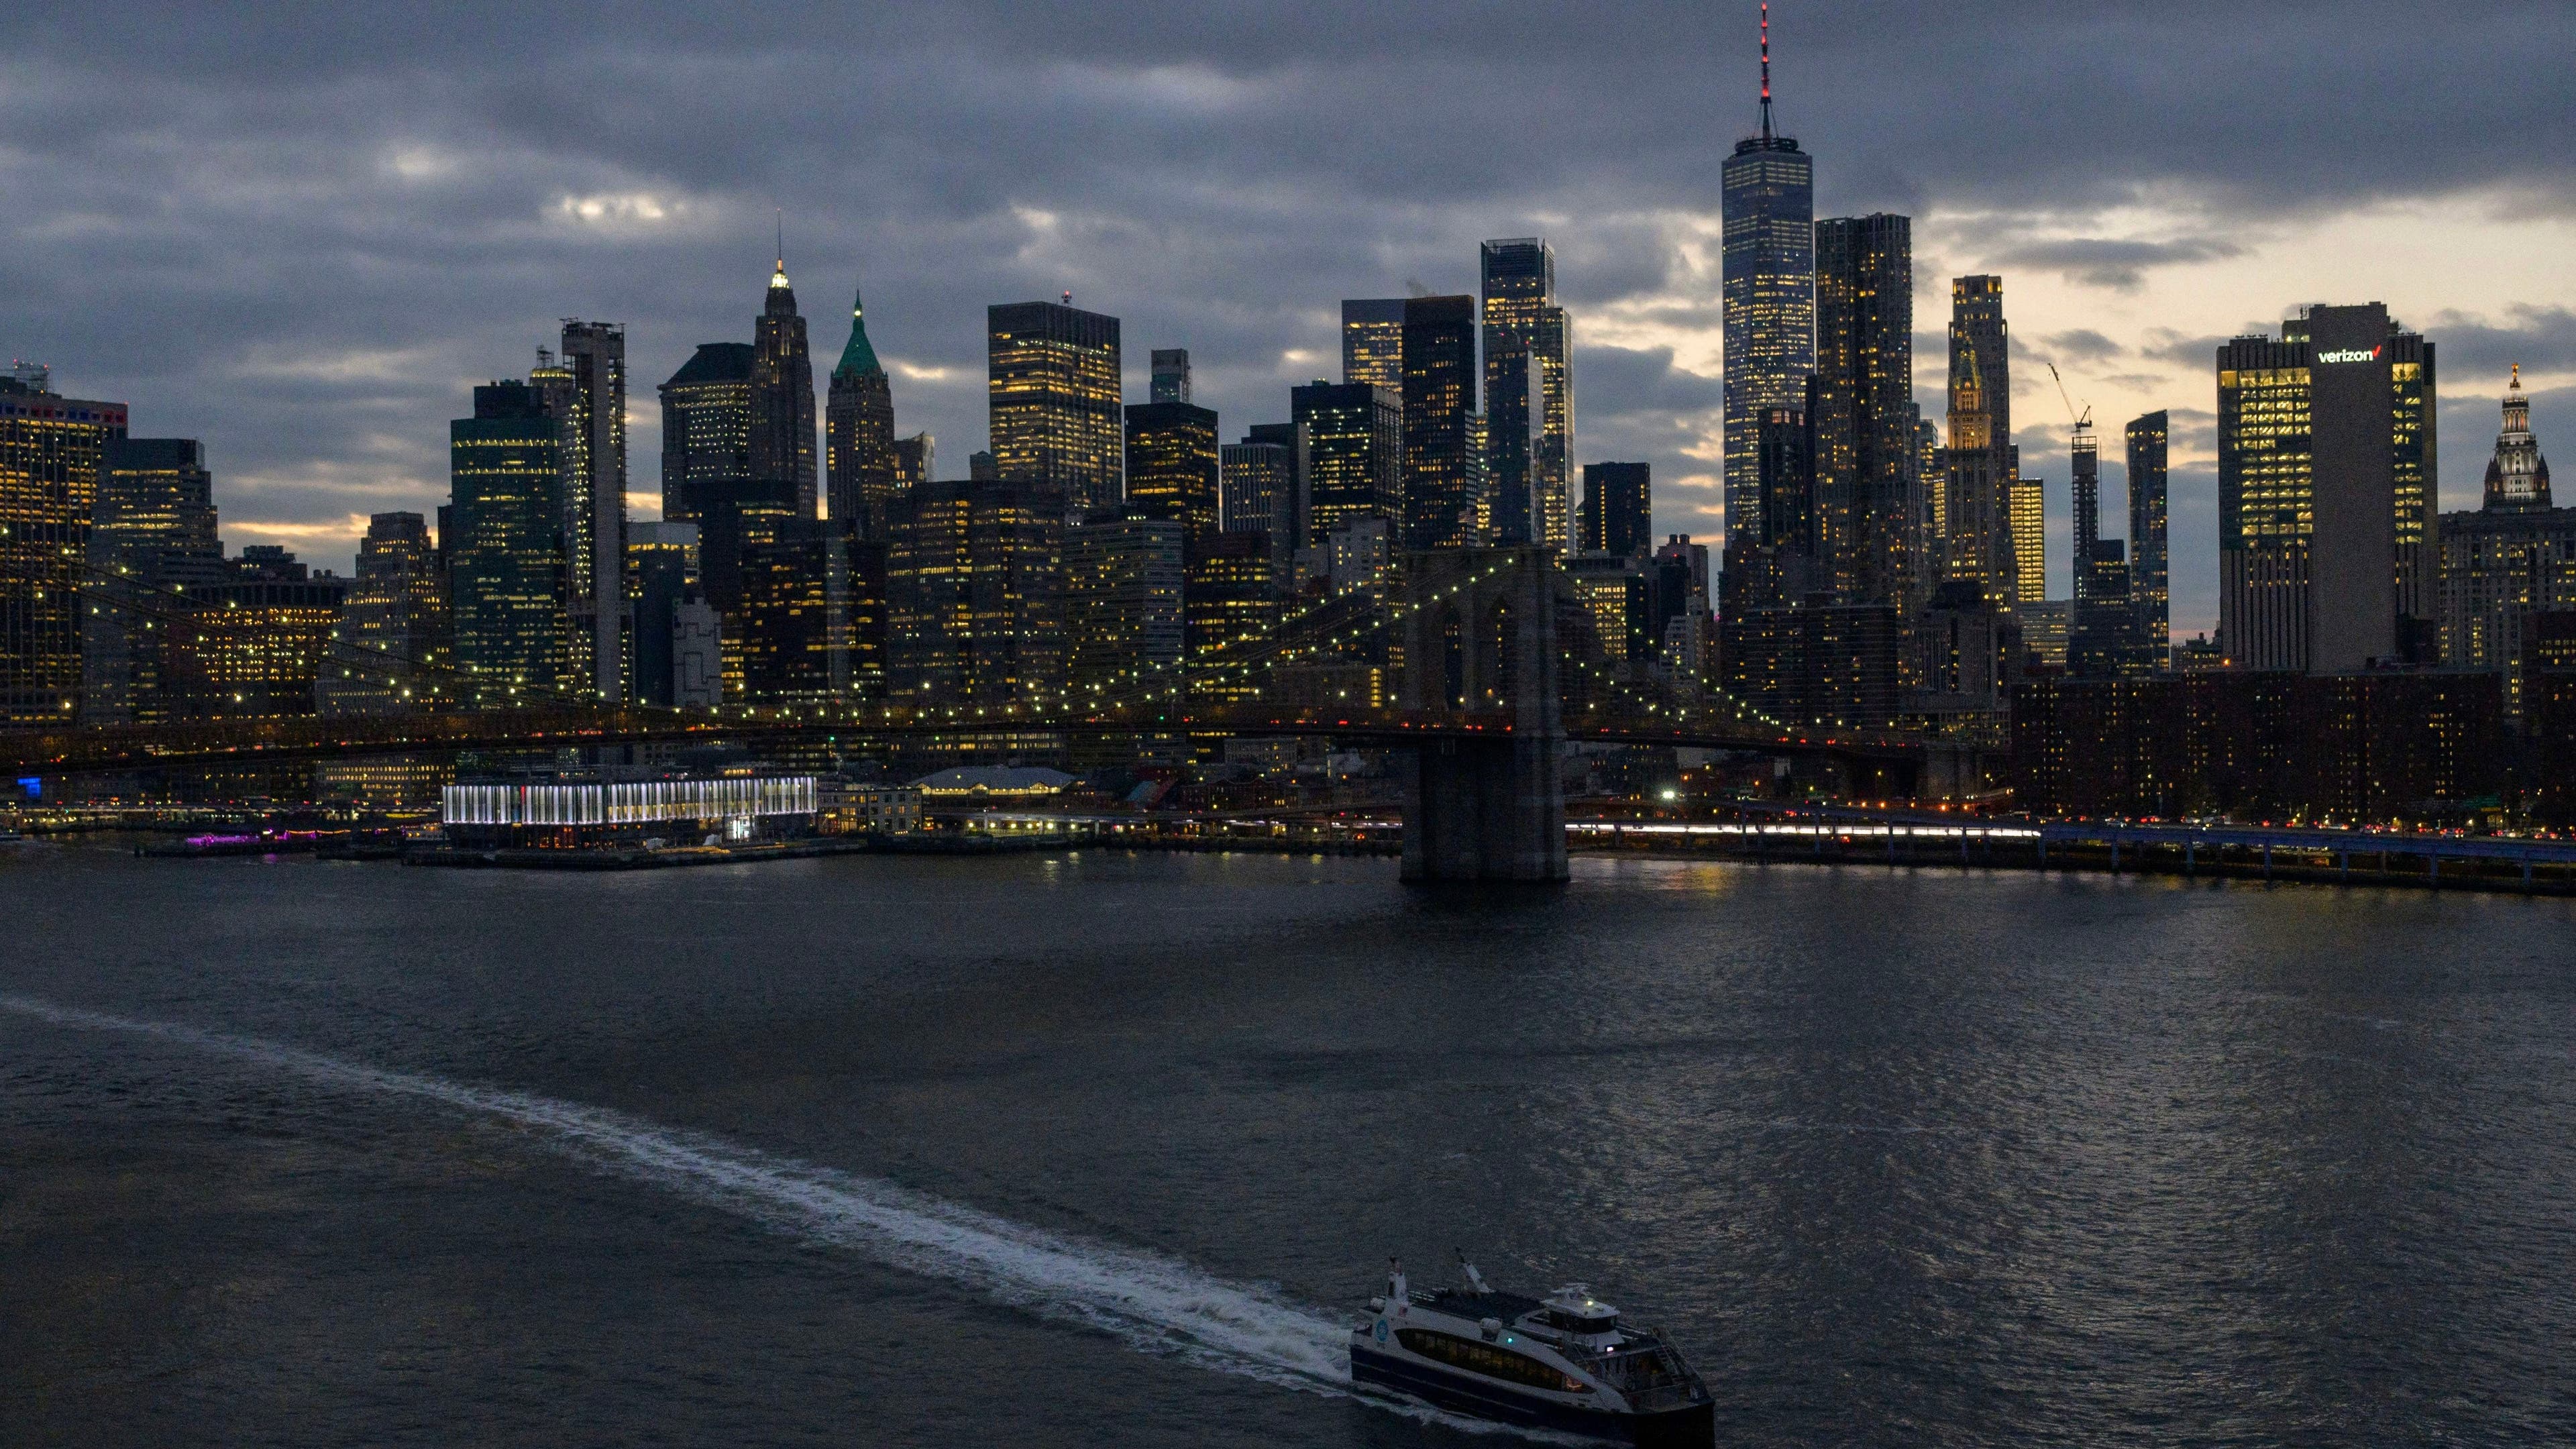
<point>1868,518</point>
<point>1767,292</point>
<point>1443,507</point>
<point>52,449</point>
<point>1532,417</point>
<point>1354,452</point>
<point>1373,343</point>
<point>782,399</point>
<point>152,550</point>
<point>859,466</point>
<point>2325,480</point>
<point>1172,466</point>
<point>1054,388</point>
<point>506,560</point>
<point>1975,519</point>
<point>2150,592</point>
<point>1618,509</point>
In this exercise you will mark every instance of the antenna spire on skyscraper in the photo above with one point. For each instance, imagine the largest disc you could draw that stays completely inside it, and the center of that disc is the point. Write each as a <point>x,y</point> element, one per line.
<point>1766,70</point>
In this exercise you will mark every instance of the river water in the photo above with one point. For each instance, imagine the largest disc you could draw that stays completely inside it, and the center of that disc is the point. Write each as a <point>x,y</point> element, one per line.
<point>1107,1149</point>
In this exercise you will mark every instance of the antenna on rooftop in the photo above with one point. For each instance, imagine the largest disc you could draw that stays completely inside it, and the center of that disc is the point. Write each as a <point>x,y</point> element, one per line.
<point>1766,70</point>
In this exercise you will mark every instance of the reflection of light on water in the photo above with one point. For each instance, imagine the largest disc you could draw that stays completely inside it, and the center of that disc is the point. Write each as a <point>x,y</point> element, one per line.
<point>1156,1304</point>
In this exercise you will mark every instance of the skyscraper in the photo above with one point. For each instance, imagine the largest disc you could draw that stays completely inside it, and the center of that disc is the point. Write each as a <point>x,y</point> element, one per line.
<point>1532,480</point>
<point>1373,342</point>
<point>506,561</point>
<point>1262,480</point>
<point>974,600</point>
<point>2084,461</point>
<point>2149,590</point>
<point>1354,452</point>
<point>2325,481</point>
<point>1054,388</point>
<point>710,422</point>
<point>2517,476</point>
<point>2102,636</point>
<point>793,612</point>
<point>1977,542</point>
<point>151,541</point>
<point>592,411</point>
<point>1442,505</point>
<point>1868,524</point>
<point>858,434</point>
<point>706,430</point>
<point>1767,291</point>
<point>2030,540</point>
<point>2509,568</point>
<point>1229,597</point>
<point>1172,466</point>
<point>51,451</point>
<point>1171,375</point>
<point>1122,606</point>
<point>1618,509</point>
<point>390,651</point>
<point>915,461</point>
<point>662,578</point>
<point>782,399</point>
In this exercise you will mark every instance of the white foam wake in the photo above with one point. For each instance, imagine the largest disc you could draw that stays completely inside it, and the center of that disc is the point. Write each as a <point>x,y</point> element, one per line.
<point>1155,1303</point>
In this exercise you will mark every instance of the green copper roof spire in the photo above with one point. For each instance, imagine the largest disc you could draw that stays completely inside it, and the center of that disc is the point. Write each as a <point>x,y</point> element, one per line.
<point>858,359</point>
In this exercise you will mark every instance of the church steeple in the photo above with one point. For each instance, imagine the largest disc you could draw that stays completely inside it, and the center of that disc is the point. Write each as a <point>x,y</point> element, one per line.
<point>858,356</point>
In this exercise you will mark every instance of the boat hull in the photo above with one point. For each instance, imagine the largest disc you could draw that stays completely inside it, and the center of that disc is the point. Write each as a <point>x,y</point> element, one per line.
<point>1693,1426</point>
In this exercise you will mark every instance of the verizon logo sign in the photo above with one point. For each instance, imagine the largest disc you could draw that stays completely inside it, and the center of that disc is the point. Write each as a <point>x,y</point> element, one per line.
<point>2354,354</point>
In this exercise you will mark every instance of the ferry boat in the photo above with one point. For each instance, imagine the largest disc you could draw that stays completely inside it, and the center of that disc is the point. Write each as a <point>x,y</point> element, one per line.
<point>1566,1362</point>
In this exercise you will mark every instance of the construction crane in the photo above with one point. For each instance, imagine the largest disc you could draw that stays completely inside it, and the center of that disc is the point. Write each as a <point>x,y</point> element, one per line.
<point>2084,421</point>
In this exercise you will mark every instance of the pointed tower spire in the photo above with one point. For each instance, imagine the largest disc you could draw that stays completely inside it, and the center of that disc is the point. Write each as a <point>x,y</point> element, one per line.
<point>858,356</point>
<point>1766,70</point>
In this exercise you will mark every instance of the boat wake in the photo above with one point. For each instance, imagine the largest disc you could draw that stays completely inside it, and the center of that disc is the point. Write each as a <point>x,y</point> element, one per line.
<point>1153,1303</point>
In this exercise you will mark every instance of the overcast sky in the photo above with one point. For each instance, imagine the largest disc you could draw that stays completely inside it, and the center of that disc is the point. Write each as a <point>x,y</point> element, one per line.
<point>301,233</point>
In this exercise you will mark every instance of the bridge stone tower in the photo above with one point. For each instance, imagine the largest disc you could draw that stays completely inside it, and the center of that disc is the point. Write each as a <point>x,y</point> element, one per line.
<point>1479,636</point>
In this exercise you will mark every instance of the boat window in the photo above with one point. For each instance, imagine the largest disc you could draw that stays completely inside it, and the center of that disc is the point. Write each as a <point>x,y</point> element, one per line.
<point>1572,1324</point>
<point>1492,1362</point>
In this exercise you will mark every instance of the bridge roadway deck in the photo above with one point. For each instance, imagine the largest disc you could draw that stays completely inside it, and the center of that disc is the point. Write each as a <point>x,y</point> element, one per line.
<point>202,744</point>
<point>2039,835</point>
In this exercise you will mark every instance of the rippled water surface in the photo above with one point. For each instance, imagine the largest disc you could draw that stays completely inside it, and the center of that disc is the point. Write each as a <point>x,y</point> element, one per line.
<point>1101,1149</point>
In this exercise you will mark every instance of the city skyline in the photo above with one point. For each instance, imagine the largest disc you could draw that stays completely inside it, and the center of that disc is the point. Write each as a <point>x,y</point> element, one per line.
<point>321,392</point>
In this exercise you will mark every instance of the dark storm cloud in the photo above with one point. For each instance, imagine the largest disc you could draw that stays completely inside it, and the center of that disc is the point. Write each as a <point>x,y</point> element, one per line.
<point>2481,353</point>
<point>302,232</point>
<point>2121,266</point>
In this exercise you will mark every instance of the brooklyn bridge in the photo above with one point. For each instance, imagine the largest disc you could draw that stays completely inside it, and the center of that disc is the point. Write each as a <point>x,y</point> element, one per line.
<point>1487,689</point>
